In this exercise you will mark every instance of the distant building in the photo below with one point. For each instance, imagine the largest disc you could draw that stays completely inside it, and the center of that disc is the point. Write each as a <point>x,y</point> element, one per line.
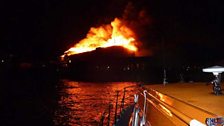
<point>110,64</point>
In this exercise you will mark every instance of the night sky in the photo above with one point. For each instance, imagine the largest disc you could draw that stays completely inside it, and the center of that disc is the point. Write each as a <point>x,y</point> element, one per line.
<point>43,29</point>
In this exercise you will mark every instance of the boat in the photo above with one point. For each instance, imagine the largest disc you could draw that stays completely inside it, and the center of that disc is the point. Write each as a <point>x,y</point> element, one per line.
<point>177,104</point>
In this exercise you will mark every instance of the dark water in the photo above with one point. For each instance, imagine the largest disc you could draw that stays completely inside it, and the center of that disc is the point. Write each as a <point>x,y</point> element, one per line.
<point>37,98</point>
<point>83,103</point>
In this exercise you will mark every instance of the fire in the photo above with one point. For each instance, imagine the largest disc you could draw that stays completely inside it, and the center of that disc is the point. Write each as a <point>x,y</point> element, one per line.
<point>114,34</point>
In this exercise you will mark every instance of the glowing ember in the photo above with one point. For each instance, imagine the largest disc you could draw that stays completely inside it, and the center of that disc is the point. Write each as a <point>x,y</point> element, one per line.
<point>114,34</point>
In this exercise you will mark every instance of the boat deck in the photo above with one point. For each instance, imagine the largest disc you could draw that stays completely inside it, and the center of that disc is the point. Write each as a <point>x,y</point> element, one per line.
<point>197,94</point>
<point>181,103</point>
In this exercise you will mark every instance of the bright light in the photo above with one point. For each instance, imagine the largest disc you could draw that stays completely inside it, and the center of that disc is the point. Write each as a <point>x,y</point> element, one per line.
<point>114,34</point>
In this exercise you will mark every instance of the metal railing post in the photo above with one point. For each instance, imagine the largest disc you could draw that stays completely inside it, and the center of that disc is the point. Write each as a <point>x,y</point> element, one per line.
<point>115,115</point>
<point>135,112</point>
<point>108,123</point>
<point>144,109</point>
<point>123,100</point>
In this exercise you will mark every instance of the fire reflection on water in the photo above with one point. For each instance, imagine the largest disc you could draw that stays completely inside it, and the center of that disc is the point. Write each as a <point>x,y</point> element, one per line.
<point>83,103</point>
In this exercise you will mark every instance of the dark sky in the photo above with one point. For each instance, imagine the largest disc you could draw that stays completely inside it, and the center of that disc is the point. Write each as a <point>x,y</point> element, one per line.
<point>44,29</point>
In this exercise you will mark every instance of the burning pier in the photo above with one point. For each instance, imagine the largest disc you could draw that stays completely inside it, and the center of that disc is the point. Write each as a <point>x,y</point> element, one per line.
<point>108,64</point>
<point>107,53</point>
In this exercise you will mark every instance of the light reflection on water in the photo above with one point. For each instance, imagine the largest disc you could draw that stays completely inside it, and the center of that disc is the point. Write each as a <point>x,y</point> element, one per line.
<point>83,103</point>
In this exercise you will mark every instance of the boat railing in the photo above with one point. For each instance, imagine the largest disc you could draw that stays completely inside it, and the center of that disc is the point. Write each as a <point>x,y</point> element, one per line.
<point>139,115</point>
<point>176,111</point>
<point>112,116</point>
<point>151,108</point>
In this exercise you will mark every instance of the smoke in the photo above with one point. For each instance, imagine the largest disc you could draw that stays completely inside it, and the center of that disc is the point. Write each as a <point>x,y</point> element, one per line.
<point>138,19</point>
<point>133,23</point>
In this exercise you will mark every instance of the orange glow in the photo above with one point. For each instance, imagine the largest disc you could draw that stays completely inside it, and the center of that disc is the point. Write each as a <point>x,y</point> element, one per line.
<point>114,34</point>
<point>167,111</point>
<point>164,98</point>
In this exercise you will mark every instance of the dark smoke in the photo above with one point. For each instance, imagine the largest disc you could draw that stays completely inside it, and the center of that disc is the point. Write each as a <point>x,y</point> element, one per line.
<point>138,19</point>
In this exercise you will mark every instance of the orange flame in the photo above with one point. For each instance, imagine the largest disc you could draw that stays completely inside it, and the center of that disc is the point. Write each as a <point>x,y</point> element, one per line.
<point>114,34</point>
